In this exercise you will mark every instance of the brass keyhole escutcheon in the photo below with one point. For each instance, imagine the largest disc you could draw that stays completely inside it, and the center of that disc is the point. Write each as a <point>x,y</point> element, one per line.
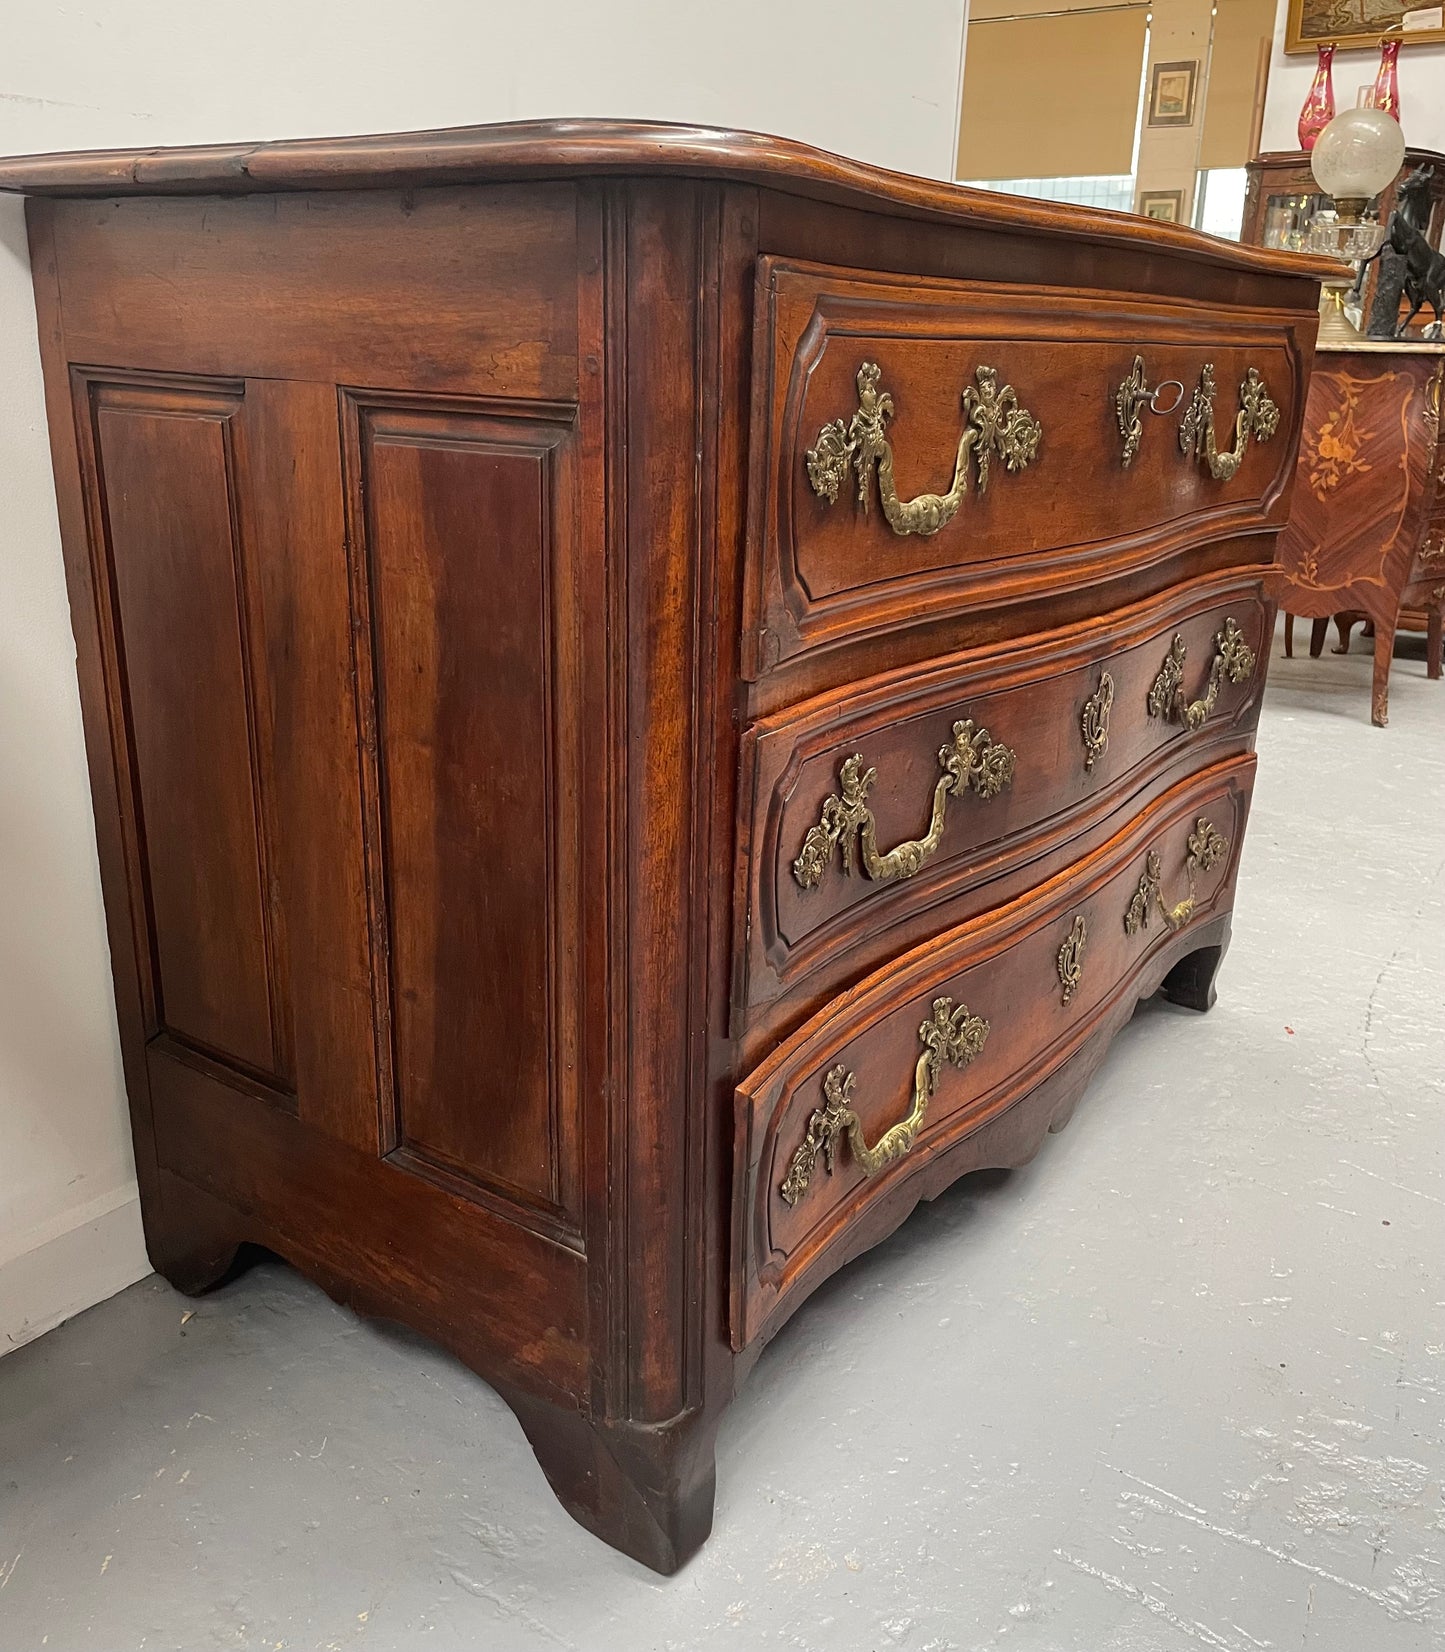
<point>1136,396</point>
<point>1094,720</point>
<point>1071,956</point>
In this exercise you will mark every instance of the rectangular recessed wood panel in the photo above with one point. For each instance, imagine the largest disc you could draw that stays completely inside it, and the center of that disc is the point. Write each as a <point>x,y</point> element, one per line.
<point>165,481</point>
<point>296,548</point>
<point>458,523</point>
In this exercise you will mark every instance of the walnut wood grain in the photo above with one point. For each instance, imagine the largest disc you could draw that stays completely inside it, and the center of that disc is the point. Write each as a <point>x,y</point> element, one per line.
<point>467,780</point>
<point>445,290</point>
<point>580,148</point>
<point>828,574</point>
<point>1002,967</point>
<point>802,944</point>
<point>162,462</point>
<point>415,505</point>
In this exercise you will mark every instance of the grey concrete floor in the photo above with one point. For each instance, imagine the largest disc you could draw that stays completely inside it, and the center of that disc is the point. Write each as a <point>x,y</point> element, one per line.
<point>1179,1384</point>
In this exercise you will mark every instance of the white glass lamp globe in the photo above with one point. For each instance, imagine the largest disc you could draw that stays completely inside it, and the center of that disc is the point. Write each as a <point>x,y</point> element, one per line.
<point>1356,156</point>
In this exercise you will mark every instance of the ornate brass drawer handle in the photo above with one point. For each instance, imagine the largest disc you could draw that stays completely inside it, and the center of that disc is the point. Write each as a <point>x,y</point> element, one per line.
<point>1233,658</point>
<point>1132,397</point>
<point>1206,848</point>
<point>1258,417</point>
<point>1071,956</point>
<point>952,1035</point>
<point>1094,720</point>
<point>972,761</point>
<point>995,423</point>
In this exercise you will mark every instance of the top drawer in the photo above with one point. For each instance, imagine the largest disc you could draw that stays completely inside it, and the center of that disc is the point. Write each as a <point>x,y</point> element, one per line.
<point>920,447</point>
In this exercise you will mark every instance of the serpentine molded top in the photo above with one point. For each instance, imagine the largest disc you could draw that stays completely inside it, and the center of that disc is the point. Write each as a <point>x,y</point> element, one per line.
<point>578,148</point>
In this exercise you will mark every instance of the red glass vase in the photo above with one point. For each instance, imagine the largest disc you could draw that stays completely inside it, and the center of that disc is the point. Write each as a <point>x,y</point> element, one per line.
<point>1319,107</point>
<point>1387,81</point>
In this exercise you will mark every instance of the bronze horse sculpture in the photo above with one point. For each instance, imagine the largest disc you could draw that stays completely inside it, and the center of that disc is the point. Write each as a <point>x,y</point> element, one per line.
<point>1424,268</point>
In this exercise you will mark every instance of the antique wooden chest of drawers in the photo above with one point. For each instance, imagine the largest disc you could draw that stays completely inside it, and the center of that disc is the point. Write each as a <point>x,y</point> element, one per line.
<point>653,698</point>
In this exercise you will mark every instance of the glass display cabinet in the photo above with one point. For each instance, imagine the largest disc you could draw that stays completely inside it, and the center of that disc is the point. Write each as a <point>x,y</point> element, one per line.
<point>1282,197</point>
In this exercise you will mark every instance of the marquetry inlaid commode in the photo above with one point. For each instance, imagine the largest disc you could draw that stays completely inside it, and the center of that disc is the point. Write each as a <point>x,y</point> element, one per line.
<point>654,697</point>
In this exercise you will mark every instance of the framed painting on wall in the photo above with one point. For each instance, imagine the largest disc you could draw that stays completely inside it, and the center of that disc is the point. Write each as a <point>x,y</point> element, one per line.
<point>1352,24</point>
<point>1164,206</point>
<point>1171,93</point>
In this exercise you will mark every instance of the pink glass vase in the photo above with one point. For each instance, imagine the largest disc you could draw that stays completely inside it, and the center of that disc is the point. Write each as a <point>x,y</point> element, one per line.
<point>1387,81</point>
<point>1319,106</point>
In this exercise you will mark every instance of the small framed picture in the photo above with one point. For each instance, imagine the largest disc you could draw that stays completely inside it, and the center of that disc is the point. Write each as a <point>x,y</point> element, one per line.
<point>1171,93</point>
<point>1165,206</point>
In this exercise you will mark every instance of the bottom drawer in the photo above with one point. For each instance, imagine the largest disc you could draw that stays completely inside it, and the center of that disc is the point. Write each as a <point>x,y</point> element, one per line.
<point>844,1115</point>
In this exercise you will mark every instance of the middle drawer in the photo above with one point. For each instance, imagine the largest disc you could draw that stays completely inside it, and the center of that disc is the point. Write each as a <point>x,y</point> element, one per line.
<point>874,804</point>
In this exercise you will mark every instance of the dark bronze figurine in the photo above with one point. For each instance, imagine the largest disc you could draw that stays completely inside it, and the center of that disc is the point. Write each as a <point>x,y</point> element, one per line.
<point>1408,264</point>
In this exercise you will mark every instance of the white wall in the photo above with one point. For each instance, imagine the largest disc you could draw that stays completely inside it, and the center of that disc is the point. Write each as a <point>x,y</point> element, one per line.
<point>876,82</point>
<point>1422,90</point>
<point>880,84</point>
<point>69,1224</point>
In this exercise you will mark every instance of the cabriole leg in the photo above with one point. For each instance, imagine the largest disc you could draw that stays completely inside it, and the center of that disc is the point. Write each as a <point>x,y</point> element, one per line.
<point>1384,653</point>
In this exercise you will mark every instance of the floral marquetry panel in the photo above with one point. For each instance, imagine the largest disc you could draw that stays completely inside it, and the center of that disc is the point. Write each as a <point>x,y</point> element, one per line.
<point>1368,466</point>
<point>1365,458</point>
